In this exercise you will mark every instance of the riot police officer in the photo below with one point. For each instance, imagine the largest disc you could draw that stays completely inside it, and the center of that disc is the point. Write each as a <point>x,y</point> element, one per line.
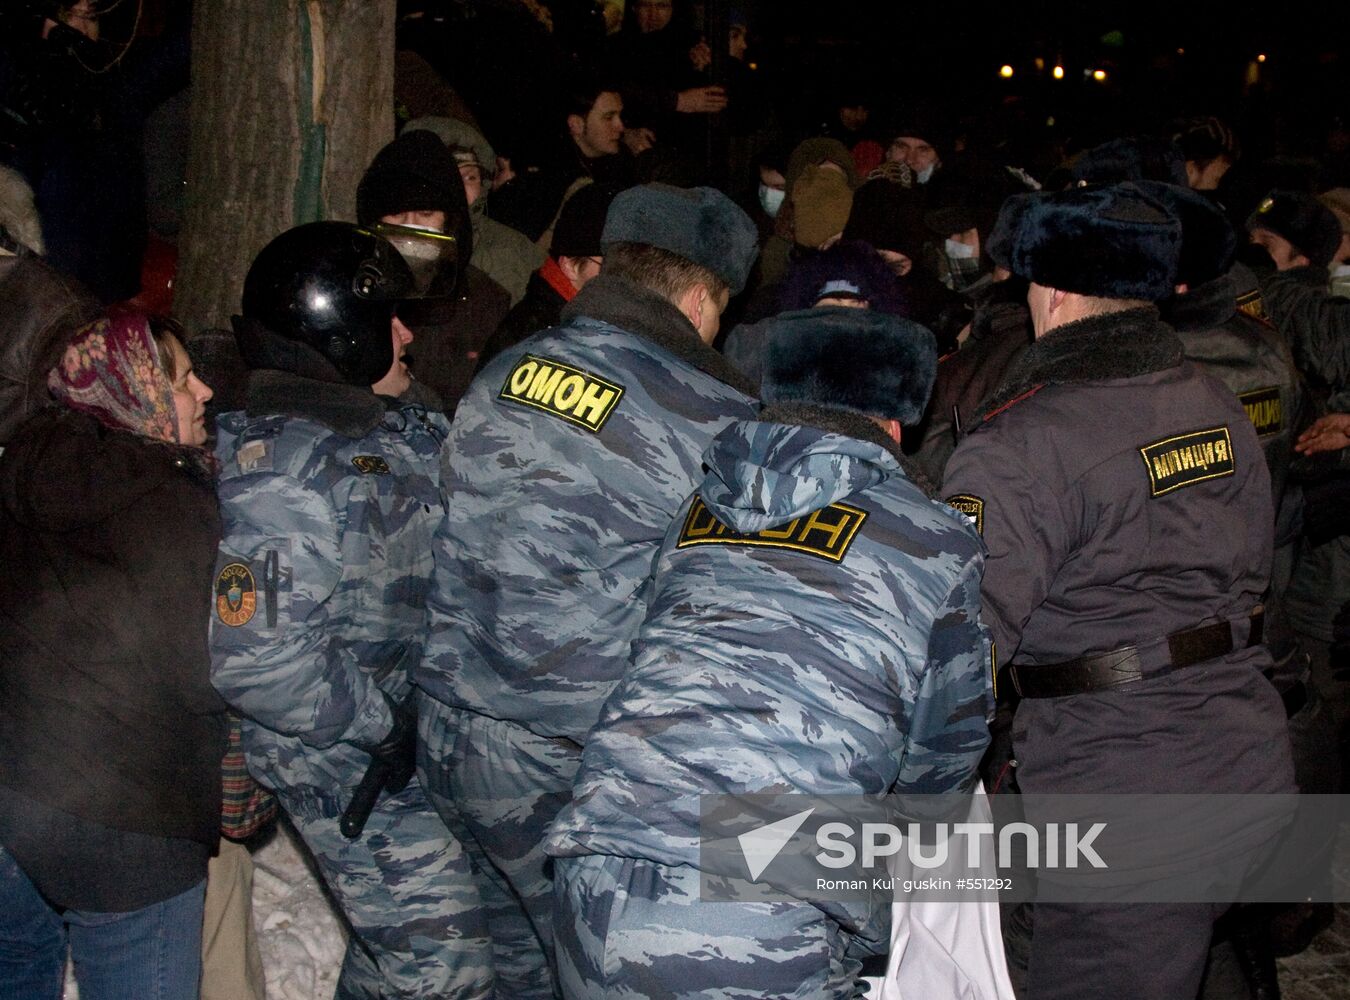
<point>330,495</point>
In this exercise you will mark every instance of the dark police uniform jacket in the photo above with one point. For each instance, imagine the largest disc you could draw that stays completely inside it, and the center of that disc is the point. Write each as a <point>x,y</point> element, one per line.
<point>1224,331</point>
<point>1123,497</point>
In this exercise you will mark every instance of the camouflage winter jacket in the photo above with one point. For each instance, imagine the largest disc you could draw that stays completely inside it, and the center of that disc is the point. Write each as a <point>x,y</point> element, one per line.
<point>330,502</point>
<point>813,629</point>
<point>570,454</point>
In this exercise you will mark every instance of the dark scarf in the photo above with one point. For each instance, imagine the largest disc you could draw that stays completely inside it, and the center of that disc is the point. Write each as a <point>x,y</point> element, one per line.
<point>640,311</point>
<point>1118,345</point>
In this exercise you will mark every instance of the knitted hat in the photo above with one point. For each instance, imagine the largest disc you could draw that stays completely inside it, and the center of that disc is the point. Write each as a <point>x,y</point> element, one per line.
<point>581,221</point>
<point>816,151</point>
<point>821,201</point>
<point>922,123</point>
<point>848,270</point>
<point>459,136</point>
<point>414,173</point>
<point>699,224</point>
<point>1111,242</point>
<point>1207,238</point>
<point>1310,226</point>
<point>850,359</point>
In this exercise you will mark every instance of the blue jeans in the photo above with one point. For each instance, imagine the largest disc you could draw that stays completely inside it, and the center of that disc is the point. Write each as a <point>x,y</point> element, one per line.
<point>148,954</point>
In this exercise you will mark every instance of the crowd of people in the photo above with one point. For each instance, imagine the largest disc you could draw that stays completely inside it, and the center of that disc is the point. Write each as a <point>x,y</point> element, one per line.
<point>559,490</point>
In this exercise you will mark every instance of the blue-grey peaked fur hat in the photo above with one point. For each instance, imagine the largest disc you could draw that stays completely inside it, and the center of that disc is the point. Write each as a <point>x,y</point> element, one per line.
<point>850,359</point>
<point>699,224</point>
<point>1110,242</point>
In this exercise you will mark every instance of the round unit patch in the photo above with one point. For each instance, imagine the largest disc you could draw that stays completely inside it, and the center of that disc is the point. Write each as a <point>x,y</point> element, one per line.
<point>236,595</point>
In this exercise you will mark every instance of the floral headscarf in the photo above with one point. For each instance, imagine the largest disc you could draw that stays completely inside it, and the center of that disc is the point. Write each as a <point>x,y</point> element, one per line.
<point>111,371</point>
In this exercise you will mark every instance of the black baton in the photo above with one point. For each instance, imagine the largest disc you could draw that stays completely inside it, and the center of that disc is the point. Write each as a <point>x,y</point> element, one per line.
<point>363,799</point>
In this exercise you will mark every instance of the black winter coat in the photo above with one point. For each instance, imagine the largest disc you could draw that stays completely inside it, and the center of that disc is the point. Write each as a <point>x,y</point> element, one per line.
<point>106,707</point>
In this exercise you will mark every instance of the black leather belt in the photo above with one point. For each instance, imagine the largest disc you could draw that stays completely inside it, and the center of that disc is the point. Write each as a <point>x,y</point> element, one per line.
<point>1102,671</point>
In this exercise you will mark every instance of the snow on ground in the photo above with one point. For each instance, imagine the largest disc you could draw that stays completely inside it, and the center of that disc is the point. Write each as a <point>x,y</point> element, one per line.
<point>301,941</point>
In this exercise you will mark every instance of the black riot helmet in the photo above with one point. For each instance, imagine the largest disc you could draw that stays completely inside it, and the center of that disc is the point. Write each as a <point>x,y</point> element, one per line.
<point>328,286</point>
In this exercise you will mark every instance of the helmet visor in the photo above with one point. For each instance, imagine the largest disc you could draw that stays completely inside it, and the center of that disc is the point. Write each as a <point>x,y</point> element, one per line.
<point>432,257</point>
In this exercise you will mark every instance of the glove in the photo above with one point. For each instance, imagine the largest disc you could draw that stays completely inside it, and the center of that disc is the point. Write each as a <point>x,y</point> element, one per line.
<point>398,750</point>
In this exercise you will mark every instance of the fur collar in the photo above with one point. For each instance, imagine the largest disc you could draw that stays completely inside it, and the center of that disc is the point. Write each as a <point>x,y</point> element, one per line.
<point>351,410</point>
<point>1204,307</point>
<point>853,425</point>
<point>1117,345</point>
<point>640,311</point>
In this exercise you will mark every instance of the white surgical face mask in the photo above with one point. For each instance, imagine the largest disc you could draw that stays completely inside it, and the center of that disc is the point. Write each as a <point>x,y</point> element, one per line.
<point>927,172</point>
<point>771,200</point>
<point>957,250</point>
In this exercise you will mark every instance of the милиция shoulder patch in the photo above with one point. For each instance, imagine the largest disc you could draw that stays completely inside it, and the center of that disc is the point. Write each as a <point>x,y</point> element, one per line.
<point>1187,459</point>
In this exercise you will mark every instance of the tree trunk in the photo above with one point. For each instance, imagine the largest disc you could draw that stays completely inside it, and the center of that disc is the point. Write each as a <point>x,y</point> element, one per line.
<point>290,102</point>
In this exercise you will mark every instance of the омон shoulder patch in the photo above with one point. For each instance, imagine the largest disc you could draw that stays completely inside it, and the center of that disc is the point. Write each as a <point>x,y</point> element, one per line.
<point>825,533</point>
<point>1187,459</point>
<point>562,391</point>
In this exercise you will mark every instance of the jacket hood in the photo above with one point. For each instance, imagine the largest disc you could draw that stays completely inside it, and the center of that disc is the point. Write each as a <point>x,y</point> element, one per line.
<point>762,475</point>
<point>453,132</point>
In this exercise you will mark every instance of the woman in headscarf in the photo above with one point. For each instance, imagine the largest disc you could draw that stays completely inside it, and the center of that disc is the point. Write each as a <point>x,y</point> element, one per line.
<point>111,736</point>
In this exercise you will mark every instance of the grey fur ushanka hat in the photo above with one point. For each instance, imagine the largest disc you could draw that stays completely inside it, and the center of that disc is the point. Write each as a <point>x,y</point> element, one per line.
<point>700,224</point>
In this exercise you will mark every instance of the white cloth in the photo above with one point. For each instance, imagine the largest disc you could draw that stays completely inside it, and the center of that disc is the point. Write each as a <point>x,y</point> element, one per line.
<point>945,950</point>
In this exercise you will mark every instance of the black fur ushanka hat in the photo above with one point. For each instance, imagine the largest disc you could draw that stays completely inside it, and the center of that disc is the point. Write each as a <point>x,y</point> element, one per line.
<point>1111,242</point>
<point>850,359</point>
